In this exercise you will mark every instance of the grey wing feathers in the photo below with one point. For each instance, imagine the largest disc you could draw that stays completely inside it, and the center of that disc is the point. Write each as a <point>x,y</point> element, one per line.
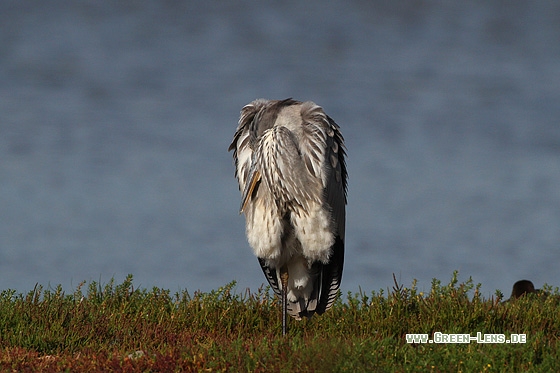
<point>242,151</point>
<point>323,146</point>
<point>335,193</point>
<point>330,147</point>
<point>337,184</point>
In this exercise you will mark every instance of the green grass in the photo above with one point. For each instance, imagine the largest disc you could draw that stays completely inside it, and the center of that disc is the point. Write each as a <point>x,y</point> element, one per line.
<point>116,327</point>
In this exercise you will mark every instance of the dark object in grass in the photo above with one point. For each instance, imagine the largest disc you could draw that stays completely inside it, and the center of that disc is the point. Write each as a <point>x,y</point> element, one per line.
<point>522,287</point>
<point>525,288</point>
<point>289,158</point>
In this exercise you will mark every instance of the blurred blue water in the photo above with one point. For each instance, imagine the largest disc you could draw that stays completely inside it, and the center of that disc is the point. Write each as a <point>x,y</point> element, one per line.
<point>115,118</point>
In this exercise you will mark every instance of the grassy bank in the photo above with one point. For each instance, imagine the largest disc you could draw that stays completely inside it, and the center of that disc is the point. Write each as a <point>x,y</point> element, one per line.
<point>117,327</point>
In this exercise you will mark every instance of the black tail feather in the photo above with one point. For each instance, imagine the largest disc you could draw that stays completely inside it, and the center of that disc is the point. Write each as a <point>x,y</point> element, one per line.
<point>331,277</point>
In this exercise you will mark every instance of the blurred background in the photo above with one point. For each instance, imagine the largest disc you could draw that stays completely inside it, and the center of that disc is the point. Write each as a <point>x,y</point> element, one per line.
<point>115,119</point>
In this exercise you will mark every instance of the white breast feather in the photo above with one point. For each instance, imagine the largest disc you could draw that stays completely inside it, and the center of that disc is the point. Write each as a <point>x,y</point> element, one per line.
<point>264,231</point>
<point>314,230</point>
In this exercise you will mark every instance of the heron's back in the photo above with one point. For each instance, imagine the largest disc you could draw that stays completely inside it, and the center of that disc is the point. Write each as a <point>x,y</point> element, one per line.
<point>290,166</point>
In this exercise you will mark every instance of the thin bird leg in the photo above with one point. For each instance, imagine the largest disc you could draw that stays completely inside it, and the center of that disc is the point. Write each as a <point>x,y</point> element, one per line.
<point>284,279</point>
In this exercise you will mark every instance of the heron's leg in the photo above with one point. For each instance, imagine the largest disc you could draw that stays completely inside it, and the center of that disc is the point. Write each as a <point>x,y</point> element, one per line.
<point>284,279</point>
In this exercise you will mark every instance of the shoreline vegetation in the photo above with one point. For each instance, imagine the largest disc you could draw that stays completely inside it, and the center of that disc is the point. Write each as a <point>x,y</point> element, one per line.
<point>117,327</point>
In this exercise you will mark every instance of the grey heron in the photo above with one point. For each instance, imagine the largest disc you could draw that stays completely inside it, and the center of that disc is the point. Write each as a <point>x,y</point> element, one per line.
<point>289,159</point>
